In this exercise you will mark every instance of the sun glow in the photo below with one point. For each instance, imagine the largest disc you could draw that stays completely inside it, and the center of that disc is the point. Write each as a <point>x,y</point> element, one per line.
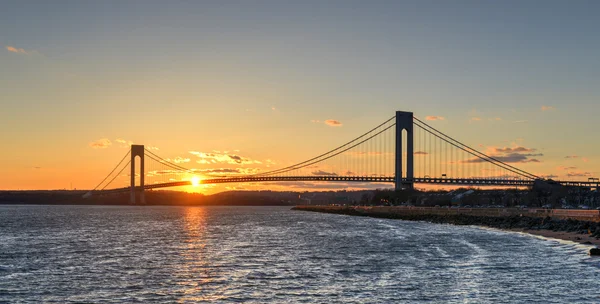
<point>195,181</point>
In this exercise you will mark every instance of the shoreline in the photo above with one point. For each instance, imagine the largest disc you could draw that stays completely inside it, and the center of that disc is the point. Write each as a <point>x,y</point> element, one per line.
<point>572,230</point>
<point>583,239</point>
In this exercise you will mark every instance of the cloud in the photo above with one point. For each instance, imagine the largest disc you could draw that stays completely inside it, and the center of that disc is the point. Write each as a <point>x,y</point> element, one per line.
<point>178,160</point>
<point>520,121</point>
<point>475,118</point>
<point>152,148</point>
<point>269,163</point>
<point>100,143</point>
<point>566,168</point>
<point>435,118</point>
<point>13,49</point>
<point>315,121</point>
<point>511,158</point>
<point>511,150</point>
<point>421,153</point>
<point>222,157</point>
<point>212,171</point>
<point>321,172</point>
<point>572,156</point>
<point>333,123</point>
<point>517,154</point>
<point>221,171</point>
<point>579,174</point>
<point>123,142</point>
<point>548,108</point>
<point>163,172</point>
<point>551,176</point>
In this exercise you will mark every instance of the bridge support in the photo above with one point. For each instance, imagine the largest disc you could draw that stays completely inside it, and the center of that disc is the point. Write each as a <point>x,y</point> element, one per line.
<point>137,150</point>
<point>404,121</point>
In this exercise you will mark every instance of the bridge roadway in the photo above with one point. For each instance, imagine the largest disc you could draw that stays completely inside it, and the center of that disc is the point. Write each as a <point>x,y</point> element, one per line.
<point>368,179</point>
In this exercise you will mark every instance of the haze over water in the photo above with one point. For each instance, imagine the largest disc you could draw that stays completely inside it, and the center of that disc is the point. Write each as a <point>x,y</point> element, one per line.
<point>272,254</point>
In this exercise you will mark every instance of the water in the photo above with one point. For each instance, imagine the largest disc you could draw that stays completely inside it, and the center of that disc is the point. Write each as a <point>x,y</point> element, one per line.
<point>272,254</point>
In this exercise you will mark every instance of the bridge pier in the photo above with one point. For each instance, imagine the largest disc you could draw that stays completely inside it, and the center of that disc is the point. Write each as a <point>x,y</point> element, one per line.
<point>404,121</point>
<point>137,150</point>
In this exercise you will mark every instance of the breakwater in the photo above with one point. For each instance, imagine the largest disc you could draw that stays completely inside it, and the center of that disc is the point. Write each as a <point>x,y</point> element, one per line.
<point>578,221</point>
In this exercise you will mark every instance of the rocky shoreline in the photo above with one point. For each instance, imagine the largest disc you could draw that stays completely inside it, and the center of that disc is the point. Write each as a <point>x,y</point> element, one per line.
<point>590,231</point>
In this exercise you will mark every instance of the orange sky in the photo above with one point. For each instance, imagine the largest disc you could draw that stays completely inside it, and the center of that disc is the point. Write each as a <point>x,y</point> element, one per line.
<point>280,83</point>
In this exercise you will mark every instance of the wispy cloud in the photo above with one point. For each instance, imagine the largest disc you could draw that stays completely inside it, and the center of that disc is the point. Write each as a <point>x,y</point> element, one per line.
<point>123,142</point>
<point>101,143</point>
<point>572,156</point>
<point>579,174</point>
<point>475,118</point>
<point>421,153</point>
<point>315,121</point>
<point>178,160</point>
<point>227,171</point>
<point>517,149</point>
<point>324,173</point>
<point>548,108</point>
<point>566,168</point>
<point>13,49</point>
<point>333,123</point>
<point>520,121</point>
<point>517,154</point>
<point>435,118</point>
<point>222,157</point>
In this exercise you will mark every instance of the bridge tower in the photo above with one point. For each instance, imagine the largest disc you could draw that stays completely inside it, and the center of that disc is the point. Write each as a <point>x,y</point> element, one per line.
<point>404,121</point>
<point>137,150</point>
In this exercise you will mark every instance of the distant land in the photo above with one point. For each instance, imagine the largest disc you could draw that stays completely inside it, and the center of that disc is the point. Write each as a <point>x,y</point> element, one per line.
<point>162,197</point>
<point>465,197</point>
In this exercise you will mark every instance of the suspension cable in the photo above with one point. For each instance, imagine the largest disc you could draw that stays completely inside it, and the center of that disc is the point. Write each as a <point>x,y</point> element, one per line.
<point>338,153</point>
<point>129,162</point>
<point>113,170</point>
<point>485,157</point>
<point>480,153</point>
<point>324,154</point>
<point>162,160</point>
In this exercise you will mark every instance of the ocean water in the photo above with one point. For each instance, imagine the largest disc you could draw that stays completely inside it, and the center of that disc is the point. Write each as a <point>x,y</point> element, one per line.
<point>112,254</point>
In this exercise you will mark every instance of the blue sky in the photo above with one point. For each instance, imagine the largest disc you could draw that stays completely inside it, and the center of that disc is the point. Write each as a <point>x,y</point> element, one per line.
<point>224,75</point>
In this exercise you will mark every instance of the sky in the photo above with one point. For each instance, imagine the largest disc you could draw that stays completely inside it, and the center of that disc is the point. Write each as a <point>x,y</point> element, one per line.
<point>79,80</point>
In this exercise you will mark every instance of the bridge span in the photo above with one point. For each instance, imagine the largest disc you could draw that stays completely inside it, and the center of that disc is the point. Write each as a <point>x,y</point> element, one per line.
<point>402,151</point>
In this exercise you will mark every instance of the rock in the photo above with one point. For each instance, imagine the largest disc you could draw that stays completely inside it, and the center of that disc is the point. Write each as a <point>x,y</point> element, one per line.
<point>587,243</point>
<point>595,252</point>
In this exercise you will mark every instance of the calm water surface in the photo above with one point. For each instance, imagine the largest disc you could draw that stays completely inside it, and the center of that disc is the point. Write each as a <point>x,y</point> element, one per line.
<point>272,254</point>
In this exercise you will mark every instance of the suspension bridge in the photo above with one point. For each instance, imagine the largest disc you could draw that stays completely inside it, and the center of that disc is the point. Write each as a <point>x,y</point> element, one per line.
<point>403,150</point>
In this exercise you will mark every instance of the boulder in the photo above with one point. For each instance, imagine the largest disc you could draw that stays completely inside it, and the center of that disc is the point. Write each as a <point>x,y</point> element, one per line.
<point>595,251</point>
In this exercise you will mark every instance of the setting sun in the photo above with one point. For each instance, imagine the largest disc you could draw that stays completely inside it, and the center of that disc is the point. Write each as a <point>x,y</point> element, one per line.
<point>195,181</point>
